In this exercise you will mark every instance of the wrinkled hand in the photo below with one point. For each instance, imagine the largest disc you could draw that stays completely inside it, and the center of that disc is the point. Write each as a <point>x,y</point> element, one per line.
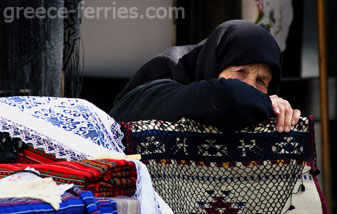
<point>286,116</point>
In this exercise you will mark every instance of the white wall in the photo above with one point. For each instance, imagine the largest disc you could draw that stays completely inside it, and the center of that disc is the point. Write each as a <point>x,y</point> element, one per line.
<point>310,66</point>
<point>115,46</point>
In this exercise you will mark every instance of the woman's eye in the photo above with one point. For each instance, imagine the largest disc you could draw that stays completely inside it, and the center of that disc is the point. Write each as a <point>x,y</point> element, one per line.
<point>240,71</point>
<point>261,81</point>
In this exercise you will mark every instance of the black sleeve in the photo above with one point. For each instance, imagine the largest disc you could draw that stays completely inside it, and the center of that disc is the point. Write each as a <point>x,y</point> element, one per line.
<point>228,104</point>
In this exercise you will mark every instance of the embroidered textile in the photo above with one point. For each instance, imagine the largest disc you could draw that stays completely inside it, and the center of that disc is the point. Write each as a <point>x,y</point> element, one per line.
<point>73,201</point>
<point>198,169</point>
<point>104,178</point>
<point>71,129</point>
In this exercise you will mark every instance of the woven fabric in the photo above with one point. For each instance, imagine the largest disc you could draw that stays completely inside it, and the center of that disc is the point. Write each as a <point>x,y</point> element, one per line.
<point>71,129</point>
<point>198,169</point>
<point>104,178</point>
<point>35,156</point>
<point>126,205</point>
<point>74,201</point>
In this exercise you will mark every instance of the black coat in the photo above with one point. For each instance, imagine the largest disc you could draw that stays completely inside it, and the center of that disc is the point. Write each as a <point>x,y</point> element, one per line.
<point>232,43</point>
<point>193,90</point>
<point>228,104</point>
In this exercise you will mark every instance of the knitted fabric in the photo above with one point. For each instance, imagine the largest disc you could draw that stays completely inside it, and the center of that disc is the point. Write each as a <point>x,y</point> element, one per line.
<point>198,169</point>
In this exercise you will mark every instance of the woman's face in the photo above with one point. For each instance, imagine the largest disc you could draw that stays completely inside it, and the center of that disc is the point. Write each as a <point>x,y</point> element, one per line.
<point>256,75</point>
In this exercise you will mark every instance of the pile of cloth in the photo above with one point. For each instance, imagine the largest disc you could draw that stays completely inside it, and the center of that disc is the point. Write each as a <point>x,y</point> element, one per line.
<point>26,192</point>
<point>104,177</point>
<point>70,142</point>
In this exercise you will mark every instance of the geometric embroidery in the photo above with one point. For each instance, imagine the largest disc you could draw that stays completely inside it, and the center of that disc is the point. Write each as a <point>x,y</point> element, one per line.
<point>245,146</point>
<point>287,147</point>
<point>225,147</point>
<point>197,170</point>
<point>218,204</point>
<point>211,149</point>
<point>180,146</point>
<point>151,146</point>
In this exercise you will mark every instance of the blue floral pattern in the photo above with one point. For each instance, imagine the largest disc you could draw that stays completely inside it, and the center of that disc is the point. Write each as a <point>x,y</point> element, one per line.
<point>73,115</point>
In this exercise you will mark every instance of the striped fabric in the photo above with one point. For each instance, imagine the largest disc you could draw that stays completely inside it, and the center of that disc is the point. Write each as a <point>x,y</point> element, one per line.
<point>30,155</point>
<point>74,201</point>
<point>126,205</point>
<point>106,178</point>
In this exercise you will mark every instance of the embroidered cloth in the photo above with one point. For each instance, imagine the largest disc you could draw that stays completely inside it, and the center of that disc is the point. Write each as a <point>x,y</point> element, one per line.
<point>71,129</point>
<point>104,178</point>
<point>73,201</point>
<point>198,169</point>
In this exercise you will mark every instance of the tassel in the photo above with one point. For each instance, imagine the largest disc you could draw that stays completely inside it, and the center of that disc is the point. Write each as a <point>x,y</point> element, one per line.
<point>315,172</point>
<point>302,188</point>
<point>292,207</point>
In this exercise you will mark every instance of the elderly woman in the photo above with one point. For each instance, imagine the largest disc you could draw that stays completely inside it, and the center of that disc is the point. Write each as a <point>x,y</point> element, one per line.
<point>228,80</point>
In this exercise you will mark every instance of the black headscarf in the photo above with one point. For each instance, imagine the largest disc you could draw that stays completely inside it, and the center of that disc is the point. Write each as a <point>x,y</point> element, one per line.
<point>233,43</point>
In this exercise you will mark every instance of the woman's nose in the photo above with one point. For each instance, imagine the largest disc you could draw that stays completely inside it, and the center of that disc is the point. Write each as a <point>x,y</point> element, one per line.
<point>250,81</point>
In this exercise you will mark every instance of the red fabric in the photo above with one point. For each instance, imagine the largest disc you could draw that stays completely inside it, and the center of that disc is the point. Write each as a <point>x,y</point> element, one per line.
<point>31,156</point>
<point>105,177</point>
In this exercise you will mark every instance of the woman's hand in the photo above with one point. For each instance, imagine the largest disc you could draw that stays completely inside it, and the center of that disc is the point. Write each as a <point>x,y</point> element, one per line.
<point>285,115</point>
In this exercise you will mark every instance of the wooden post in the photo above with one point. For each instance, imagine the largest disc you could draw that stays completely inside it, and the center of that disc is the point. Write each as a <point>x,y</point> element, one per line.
<point>62,84</point>
<point>324,104</point>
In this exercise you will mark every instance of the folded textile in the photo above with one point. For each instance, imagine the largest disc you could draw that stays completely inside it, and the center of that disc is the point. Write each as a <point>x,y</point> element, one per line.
<point>104,177</point>
<point>31,155</point>
<point>70,129</point>
<point>73,201</point>
<point>59,129</point>
<point>126,205</point>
